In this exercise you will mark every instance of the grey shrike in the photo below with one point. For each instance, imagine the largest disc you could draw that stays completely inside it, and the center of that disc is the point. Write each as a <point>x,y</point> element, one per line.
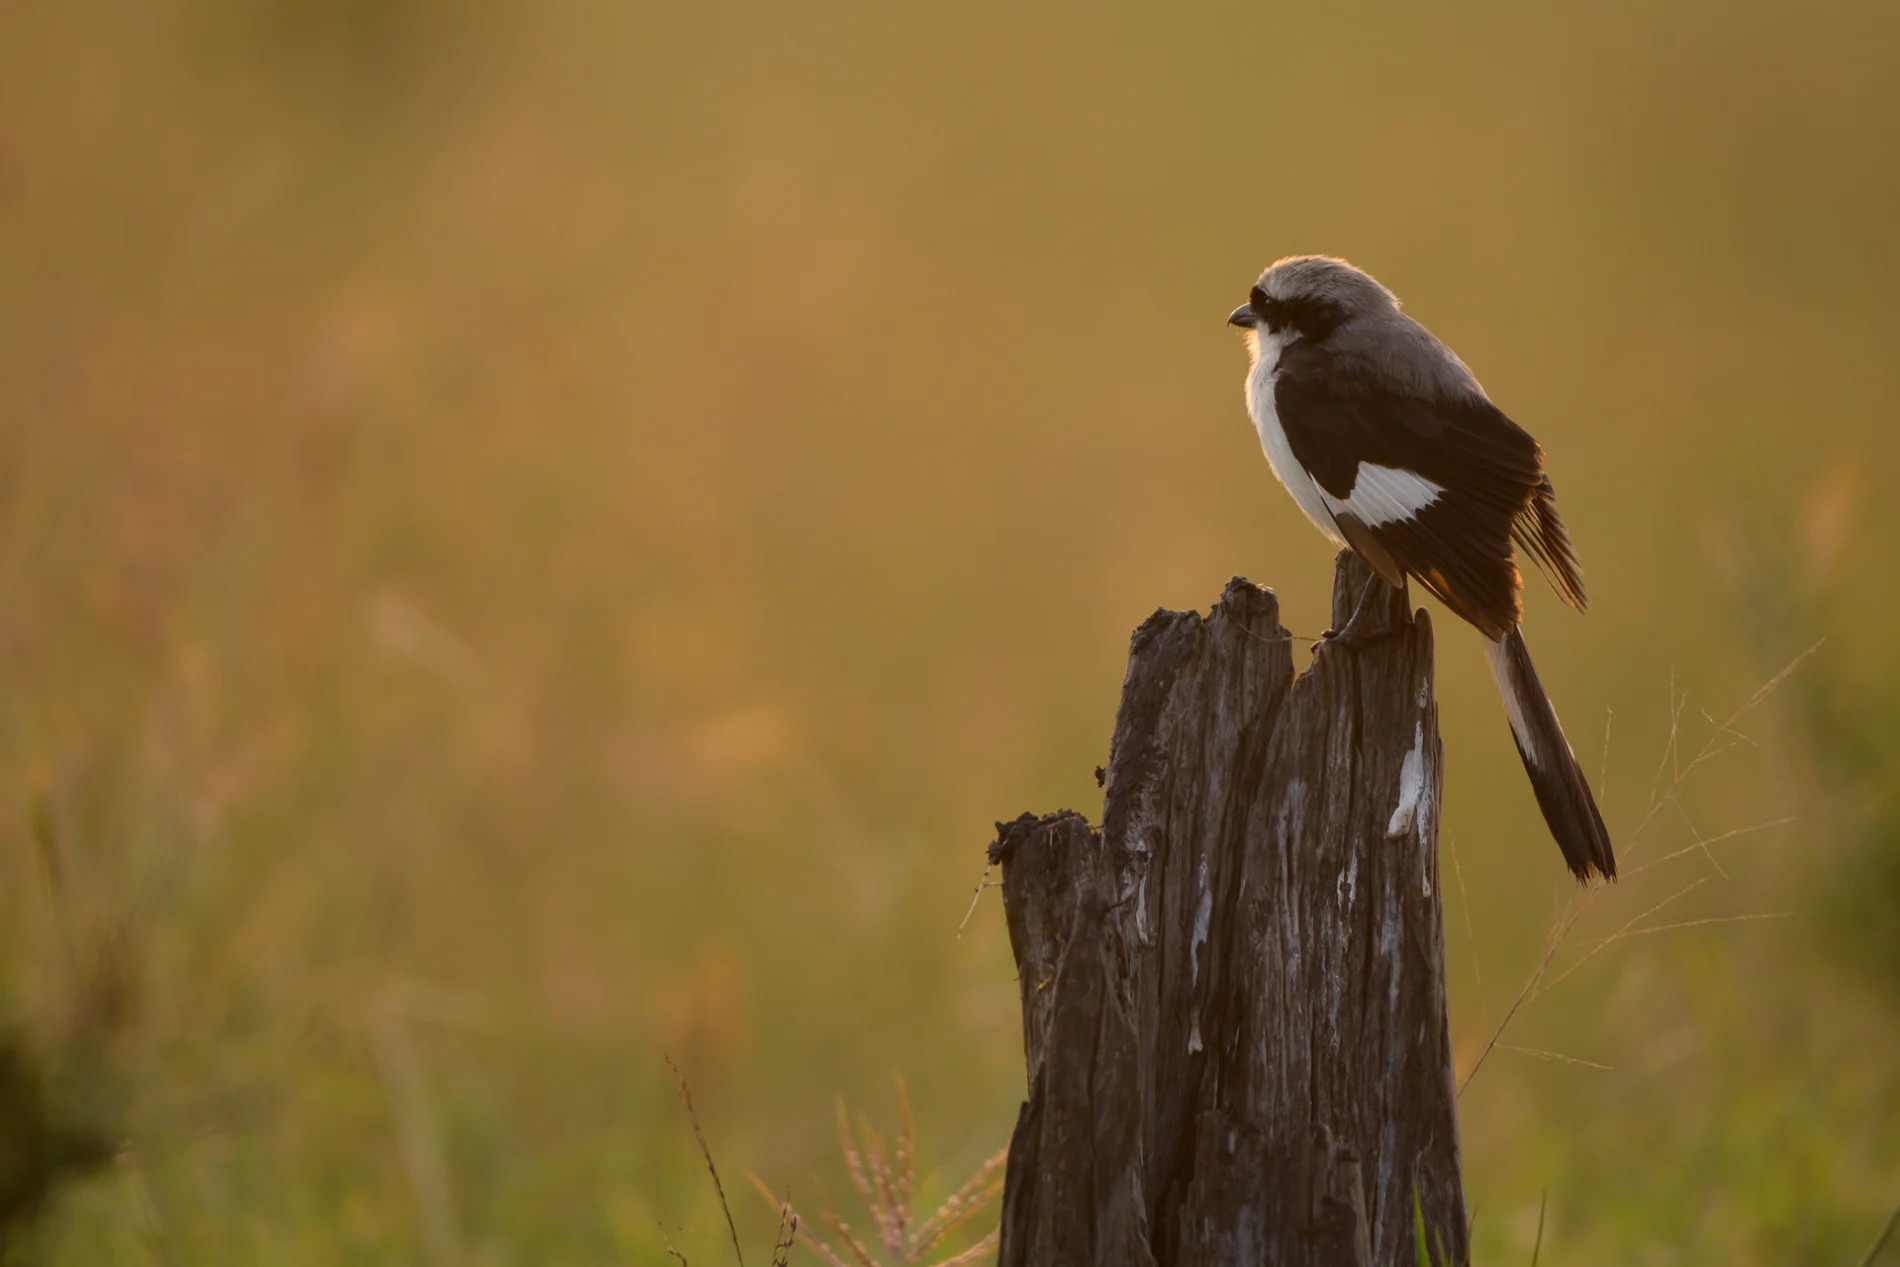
<point>1393,450</point>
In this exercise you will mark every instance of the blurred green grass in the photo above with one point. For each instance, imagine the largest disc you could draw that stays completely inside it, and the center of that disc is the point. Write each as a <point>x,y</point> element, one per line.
<point>538,535</point>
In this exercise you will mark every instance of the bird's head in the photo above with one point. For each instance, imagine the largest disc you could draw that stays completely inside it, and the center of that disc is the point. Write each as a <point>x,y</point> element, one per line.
<point>1308,297</point>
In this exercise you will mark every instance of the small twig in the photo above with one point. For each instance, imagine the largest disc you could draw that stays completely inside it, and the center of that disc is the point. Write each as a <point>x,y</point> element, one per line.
<point>705,1150</point>
<point>1537,1246</point>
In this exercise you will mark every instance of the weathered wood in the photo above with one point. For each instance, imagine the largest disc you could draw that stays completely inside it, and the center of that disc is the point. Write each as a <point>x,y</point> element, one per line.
<point>1233,992</point>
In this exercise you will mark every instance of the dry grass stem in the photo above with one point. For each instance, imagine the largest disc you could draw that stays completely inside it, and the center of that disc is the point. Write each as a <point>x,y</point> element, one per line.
<point>1603,770</point>
<point>705,1150</point>
<point>976,1193</point>
<point>906,1153</point>
<point>1880,1242</point>
<point>1565,924</point>
<point>1713,919</point>
<point>1669,747</point>
<point>886,1182</point>
<point>1471,937</point>
<point>1695,835</point>
<point>1541,1054</point>
<point>1634,920</point>
<point>419,1136</point>
<point>982,1249</point>
<point>981,884</point>
<point>854,1164</point>
<point>1702,844</point>
<point>884,1212</point>
<point>860,1252</point>
<point>1724,737</point>
<point>787,1233</point>
<point>839,1229</point>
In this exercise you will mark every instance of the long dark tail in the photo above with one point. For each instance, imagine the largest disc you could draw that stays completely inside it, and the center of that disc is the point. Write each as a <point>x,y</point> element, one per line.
<point>1562,791</point>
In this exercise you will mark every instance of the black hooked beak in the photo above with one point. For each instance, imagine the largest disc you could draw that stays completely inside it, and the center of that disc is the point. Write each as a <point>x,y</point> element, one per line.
<point>1243,316</point>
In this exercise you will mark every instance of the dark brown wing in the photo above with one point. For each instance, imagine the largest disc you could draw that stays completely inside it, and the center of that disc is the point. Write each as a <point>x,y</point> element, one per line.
<point>1540,530</point>
<point>1490,471</point>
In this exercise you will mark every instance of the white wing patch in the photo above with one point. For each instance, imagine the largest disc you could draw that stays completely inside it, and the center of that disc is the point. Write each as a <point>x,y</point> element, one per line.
<point>1383,495</point>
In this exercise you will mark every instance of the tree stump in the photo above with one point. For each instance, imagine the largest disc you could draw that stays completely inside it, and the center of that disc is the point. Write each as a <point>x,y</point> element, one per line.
<point>1233,991</point>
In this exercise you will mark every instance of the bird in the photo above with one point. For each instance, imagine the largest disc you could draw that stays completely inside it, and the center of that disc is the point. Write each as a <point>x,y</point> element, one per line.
<point>1391,447</point>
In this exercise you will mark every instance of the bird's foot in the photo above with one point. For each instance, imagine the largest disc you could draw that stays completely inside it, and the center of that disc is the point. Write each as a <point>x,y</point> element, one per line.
<point>1356,633</point>
<point>1352,637</point>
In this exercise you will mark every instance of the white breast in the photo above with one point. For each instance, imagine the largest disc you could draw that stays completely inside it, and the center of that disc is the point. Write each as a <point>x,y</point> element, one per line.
<point>1292,475</point>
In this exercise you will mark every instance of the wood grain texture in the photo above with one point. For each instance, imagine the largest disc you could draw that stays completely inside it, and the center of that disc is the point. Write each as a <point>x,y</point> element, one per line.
<point>1233,993</point>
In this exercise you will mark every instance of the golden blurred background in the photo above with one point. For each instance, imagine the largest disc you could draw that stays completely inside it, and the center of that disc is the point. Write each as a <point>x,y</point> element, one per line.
<point>537,536</point>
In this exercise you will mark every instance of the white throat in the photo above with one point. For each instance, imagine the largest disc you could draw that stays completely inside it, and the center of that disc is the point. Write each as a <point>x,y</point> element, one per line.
<point>1266,348</point>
